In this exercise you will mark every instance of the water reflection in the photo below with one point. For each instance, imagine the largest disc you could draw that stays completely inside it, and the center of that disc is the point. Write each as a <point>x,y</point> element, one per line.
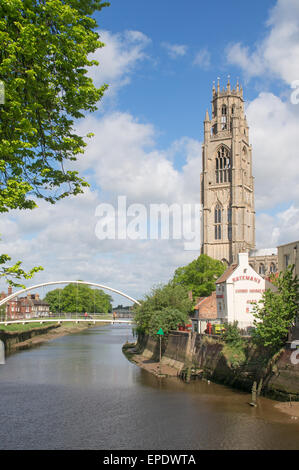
<point>80,392</point>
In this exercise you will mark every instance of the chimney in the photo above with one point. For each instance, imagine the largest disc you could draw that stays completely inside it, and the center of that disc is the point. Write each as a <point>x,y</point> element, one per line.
<point>190,295</point>
<point>36,296</point>
<point>9,290</point>
<point>243,259</point>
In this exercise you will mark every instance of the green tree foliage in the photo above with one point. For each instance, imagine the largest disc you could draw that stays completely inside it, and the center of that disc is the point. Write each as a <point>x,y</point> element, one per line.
<point>44,49</point>
<point>231,334</point>
<point>15,272</point>
<point>78,298</point>
<point>44,64</point>
<point>276,312</point>
<point>234,347</point>
<point>200,275</point>
<point>165,307</point>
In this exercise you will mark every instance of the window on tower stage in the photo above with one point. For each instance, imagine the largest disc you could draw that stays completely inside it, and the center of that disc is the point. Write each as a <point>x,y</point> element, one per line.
<point>218,221</point>
<point>223,123</point>
<point>223,165</point>
<point>217,214</point>
<point>217,232</point>
<point>223,117</point>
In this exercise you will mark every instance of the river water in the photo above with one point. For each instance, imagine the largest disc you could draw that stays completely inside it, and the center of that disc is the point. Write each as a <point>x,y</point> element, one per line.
<point>80,392</point>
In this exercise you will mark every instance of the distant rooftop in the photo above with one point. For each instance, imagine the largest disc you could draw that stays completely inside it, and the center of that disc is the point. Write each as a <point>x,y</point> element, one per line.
<point>263,252</point>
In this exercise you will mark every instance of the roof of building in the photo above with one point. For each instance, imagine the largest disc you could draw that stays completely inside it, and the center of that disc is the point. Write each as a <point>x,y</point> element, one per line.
<point>207,307</point>
<point>227,273</point>
<point>28,301</point>
<point>286,244</point>
<point>263,252</point>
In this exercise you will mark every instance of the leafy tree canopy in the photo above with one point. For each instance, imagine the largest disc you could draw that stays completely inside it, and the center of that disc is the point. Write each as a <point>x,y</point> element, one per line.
<point>276,312</point>
<point>200,275</point>
<point>44,50</point>
<point>43,64</point>
<point>78,298</point>
<point>165,307</point>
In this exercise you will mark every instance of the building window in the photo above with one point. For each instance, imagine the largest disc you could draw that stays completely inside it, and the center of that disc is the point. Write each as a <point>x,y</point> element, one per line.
<point>218,221</point>
<point>272,268</point>
<point>229,232</point>
<point>223,117</point>
<point>223,123</point>
<point>217,232</point>
<point>262,270</point>
<point>223,166</point>
<point>214,129</point>
<point>218,214</point>
<point>286,260</point>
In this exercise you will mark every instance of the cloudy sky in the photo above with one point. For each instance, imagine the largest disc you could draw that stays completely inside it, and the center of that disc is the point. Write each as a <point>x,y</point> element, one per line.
<point>160,60</point>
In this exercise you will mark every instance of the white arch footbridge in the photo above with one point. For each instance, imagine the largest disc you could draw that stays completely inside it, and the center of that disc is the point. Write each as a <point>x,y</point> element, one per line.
<point>52,283</point>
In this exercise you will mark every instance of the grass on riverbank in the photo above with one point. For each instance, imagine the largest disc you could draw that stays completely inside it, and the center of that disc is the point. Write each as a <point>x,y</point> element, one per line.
<point>19,327</point>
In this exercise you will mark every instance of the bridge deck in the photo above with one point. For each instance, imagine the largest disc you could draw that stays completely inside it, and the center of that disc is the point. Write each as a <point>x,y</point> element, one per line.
<point>73,320</point>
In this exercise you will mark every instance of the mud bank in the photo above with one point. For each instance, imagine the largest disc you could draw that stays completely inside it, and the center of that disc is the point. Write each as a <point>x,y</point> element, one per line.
<point>277,377</point>
<point>20,340</point>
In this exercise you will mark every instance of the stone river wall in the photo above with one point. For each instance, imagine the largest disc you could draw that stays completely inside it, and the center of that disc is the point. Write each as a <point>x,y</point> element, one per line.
<point>278,377</point>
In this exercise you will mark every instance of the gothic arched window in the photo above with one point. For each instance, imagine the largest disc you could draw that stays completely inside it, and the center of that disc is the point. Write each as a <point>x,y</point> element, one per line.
<point>223,166</point>
<point>218,221</point>
<point>223,117</point>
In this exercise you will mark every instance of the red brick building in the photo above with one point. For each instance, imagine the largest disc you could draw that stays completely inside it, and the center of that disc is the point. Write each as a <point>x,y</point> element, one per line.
<point>205,310</point>
<point>30,306</point>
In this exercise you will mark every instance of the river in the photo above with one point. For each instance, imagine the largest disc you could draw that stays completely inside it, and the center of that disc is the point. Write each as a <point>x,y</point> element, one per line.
<point>80,392</point>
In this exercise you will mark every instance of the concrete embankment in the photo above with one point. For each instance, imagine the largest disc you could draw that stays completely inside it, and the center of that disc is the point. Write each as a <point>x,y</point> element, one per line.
<point>18,340</point>
<point>277,376</point>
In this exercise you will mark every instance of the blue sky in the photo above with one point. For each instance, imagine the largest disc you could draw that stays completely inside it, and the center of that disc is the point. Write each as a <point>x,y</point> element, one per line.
<point>160,60</point>
<point>173,93</point>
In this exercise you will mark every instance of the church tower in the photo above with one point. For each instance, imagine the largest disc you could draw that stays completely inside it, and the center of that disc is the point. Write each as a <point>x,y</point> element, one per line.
<point>227,187</point>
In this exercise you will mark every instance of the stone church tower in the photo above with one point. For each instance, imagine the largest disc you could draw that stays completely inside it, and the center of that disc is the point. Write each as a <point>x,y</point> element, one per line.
<point>227,187</point>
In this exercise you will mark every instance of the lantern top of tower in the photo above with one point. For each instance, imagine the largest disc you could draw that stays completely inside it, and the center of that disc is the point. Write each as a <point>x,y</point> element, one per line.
<point>236,91</point>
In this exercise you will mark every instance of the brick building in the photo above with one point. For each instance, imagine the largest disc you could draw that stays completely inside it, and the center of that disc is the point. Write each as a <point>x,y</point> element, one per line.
<point>30,306</point>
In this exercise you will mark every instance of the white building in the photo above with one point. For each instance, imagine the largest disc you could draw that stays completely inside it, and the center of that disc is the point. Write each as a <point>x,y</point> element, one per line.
<point>236,292</point>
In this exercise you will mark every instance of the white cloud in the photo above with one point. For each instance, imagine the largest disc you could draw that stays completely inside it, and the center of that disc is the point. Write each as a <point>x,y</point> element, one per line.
<point>275,141</point>
<point>124,161</point>
<point>118,58</point>
<point>203,59</point>
<point>282,227</point>
<point>175,50</point>
<point>278,53</point>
